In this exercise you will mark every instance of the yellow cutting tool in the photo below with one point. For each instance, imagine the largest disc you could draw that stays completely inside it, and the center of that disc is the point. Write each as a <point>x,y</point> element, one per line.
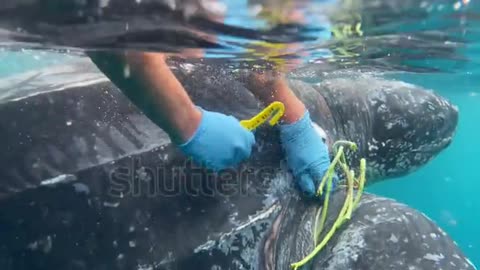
<point>274,112</point>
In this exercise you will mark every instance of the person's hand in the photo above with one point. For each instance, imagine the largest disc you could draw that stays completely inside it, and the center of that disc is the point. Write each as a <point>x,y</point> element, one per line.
<point>306,153</point>
<point>219,142</point>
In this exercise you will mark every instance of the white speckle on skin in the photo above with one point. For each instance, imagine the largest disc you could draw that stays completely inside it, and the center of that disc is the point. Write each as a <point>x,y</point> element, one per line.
<point>205,246</point>
<point>144,267</point>
<point>104,3</point>
<point>434,257</point>
<point>188,68</point>
<point>372,147</point>
<point>64,178</point>
<point>393,239</point>
<point>33,246</point>
<point>350,244</point>
<point>81,188</point>
<point>143,175</point>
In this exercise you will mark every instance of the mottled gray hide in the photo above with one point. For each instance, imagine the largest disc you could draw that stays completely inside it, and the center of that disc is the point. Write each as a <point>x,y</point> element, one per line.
<point>397,126</point>
<point>71,118</point>
<point>382,234</point>
<point>89,183</point>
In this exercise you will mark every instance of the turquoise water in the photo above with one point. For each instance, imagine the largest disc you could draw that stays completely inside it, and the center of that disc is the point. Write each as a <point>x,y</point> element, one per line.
<point>446,189</point>
<point>12,63</point>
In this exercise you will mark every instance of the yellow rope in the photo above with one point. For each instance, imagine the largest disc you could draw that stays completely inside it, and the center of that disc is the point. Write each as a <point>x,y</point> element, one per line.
<point>274,112</point>
<point>349,205</point>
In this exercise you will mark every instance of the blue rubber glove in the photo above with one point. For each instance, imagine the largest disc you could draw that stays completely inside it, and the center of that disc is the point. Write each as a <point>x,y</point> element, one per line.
<point>306,153</point>
<point>219,142</point>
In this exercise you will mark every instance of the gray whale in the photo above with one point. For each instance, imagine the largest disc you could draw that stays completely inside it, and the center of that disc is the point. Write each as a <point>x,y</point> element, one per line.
<point>89,183</point>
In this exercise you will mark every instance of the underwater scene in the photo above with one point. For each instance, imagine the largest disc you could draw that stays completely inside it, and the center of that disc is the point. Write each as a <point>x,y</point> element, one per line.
<point>239,134</point>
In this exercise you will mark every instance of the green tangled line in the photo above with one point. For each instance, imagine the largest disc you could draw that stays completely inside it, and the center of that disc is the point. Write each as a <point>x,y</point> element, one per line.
<point>349,205</point>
